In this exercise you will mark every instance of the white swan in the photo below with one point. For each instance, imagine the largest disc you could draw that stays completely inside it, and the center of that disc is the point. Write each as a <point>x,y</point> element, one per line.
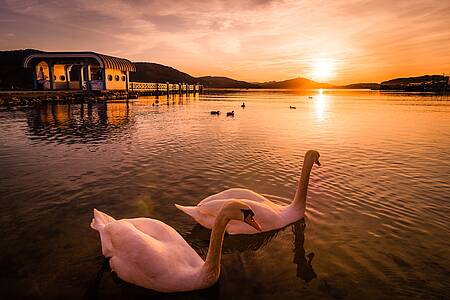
<point>151,254</point>
<point>268,215</point>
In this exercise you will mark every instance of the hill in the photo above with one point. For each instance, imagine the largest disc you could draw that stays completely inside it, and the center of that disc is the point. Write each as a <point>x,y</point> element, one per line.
<point>434,83</point>
<point>225,82</point>
<point>296,83</point>
<point>362,85</point>
<point>153,72</point>
<point>13,76</point>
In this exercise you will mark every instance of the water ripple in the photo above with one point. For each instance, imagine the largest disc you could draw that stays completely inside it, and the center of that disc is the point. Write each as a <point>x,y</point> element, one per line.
<point>377,213</point>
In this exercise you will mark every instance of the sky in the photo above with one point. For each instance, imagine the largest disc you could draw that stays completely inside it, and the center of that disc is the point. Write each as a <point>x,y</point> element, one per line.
<point>339,42</point>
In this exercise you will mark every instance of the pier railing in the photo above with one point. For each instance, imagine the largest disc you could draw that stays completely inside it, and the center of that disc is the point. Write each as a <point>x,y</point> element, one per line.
<point>164,87</point>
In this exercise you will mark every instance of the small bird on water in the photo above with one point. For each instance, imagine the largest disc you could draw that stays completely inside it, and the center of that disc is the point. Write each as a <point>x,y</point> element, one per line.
<point>292,107</point>
<point>230,114</point>
<point>243,105</point>
<point>215,112</point>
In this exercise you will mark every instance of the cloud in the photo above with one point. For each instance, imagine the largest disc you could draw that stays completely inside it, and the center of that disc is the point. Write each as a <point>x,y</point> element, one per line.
<point>246,39</point>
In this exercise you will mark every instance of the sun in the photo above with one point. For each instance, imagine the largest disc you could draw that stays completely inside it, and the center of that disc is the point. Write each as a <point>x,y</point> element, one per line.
<point>322,69</point>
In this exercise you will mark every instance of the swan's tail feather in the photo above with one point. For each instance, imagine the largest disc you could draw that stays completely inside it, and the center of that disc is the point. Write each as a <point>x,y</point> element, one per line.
<point>189,210</point>
<point>100,220</point>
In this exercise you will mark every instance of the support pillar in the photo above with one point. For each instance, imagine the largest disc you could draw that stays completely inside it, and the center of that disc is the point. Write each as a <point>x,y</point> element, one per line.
<point>104,78</point>
<point>50,75</point>
<point>66,72</point>
<point>86,76</point>
<point>35,84</point>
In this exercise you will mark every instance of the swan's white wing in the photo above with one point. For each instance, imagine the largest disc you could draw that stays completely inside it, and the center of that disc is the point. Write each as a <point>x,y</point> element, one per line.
<point>267,215</point>
<point>156,260</point>
<point>235,193</point>
<point>156,229</point>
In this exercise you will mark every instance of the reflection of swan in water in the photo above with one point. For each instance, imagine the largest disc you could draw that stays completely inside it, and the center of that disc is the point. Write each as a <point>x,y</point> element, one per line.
<point>198,239</point>
<point>130,291</point>
<point>304,266</point>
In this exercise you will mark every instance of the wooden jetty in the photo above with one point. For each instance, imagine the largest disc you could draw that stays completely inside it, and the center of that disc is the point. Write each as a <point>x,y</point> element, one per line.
<point>136,89</point>
<point>146,88</point>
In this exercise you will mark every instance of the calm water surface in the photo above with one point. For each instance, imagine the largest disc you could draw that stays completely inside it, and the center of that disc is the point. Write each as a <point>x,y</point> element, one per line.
<point>377,213</point>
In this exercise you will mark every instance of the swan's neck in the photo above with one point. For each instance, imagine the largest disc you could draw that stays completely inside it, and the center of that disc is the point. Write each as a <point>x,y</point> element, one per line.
<point>299,203</point>
<point>211,268</point>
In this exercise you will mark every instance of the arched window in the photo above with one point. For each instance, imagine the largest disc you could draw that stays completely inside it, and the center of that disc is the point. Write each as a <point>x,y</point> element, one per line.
<point>109,77</point>
<point>62,78</point>
<point>123,78</point>
<point>42,71</point>
<point>116,77</point>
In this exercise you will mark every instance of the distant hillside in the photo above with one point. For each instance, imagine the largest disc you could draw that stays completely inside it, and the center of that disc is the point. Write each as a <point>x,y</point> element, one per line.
<point>434,83</point>
<point>152,72</point>
<point>418,79</point>
<point>296,83</point>
<point>363,85</point>
<point>12,74</point>
<point>224,82</point>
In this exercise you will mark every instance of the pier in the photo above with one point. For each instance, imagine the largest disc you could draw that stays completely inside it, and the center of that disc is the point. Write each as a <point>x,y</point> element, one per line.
<point>163,88</point>
<point>85,77</point>
<point>136,89</point>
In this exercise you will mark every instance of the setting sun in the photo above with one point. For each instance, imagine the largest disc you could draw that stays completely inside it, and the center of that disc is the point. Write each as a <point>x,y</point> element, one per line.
<point>323,69</point>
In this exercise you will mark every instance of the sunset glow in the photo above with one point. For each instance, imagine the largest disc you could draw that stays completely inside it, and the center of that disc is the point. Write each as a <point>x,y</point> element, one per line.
<point>254,40</point>
<point>323,70</point>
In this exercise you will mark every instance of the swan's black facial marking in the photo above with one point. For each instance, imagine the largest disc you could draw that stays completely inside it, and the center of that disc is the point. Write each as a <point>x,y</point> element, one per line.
<point>248,218</point>
<point>317,162</point>
<point>247,212</point>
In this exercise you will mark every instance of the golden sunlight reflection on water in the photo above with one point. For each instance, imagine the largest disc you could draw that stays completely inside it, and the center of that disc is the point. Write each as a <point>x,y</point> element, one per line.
<point>377,210</point>
<point>320,104</point>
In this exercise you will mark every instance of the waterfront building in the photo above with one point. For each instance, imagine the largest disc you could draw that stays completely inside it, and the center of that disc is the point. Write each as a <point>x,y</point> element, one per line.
<point>79,71</point>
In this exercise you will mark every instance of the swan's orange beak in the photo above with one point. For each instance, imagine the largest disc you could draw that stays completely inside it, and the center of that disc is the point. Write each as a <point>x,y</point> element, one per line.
<point>250,221</point>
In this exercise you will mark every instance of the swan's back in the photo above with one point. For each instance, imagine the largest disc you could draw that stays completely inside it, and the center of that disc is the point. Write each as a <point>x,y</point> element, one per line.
<point>235,193</point>
<point>267,214</point>
<point>149,253</point>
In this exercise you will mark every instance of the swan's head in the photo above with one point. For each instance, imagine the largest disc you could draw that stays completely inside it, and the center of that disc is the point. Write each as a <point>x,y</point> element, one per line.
<point>238,210</point>
<point>313,156</point>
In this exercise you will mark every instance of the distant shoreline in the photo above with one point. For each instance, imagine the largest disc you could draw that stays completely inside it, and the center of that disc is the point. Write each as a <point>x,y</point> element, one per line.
<point>14,77</point>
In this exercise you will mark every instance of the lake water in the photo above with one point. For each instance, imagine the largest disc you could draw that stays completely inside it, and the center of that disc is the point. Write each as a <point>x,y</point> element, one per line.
<point>377,211</point>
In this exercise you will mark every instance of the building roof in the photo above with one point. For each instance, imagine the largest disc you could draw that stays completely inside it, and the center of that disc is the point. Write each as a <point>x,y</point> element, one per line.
<point>105,61</point>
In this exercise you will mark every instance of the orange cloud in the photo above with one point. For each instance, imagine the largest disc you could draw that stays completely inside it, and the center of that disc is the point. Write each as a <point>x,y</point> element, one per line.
<point>247,40</point>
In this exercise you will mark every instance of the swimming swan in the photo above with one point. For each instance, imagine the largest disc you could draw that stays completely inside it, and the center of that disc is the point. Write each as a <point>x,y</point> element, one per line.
<point>268,215</point>
<point>151,254</point>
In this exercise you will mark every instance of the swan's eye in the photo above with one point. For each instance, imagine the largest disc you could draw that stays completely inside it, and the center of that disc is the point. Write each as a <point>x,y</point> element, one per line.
<point>247,212</point>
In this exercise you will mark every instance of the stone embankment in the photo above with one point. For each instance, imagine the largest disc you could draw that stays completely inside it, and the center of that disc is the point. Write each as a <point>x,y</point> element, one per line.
<point>29,98</point>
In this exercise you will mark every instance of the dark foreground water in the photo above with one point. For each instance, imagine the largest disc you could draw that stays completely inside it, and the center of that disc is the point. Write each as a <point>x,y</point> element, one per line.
<point>378,208</point>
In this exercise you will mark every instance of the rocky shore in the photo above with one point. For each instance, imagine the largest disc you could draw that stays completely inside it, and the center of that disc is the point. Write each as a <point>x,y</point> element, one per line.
<point>30,98</point>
